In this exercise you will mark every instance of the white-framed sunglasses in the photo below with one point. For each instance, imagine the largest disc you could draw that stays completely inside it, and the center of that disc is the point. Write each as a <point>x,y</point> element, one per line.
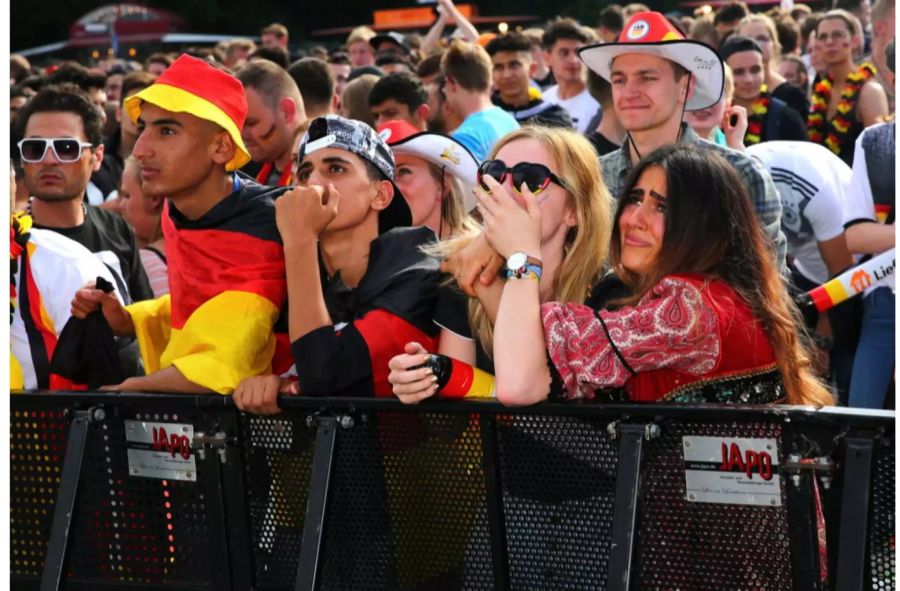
<point>66,149</point>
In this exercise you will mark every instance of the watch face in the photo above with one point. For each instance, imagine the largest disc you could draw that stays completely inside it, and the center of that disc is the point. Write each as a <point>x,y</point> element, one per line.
<point>516,261</point>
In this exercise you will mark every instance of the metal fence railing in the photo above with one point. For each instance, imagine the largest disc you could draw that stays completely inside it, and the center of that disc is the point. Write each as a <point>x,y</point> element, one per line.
<point>143,491</point>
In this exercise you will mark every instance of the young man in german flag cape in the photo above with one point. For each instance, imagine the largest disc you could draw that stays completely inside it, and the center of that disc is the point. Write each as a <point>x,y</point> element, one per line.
<point>359,286</point>
<point>226,262</point>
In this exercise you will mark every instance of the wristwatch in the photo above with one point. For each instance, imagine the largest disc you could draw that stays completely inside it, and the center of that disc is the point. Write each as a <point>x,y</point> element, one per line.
<point>519,265</point>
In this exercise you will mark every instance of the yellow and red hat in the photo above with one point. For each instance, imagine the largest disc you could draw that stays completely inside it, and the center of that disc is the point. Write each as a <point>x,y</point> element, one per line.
<point>193,86</point>
<point>652,34</point>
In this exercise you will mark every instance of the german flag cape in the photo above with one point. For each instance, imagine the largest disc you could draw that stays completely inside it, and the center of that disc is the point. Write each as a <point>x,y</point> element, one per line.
<point>393,305</point>
<point>46,269</point>
<point>227,287</point>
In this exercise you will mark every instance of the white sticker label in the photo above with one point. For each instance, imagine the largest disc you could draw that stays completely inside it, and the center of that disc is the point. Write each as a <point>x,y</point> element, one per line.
<point>160,450</point>
<point>732,471</point>
<point>638,30</point>
<point>322,142</point>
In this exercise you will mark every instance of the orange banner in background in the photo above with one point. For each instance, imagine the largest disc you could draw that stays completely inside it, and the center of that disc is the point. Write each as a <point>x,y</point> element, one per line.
<point>403,16</point>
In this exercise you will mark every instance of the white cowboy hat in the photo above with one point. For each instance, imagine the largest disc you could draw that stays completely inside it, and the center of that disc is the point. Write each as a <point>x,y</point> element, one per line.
<point>652,34</point>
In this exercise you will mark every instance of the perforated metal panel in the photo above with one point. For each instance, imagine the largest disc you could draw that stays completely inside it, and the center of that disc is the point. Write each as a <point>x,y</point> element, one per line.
<point>278,458</point>
<point>558,478</point>
<point>135,529</point>
<point>882,540</point>
<point>37,442</point>
<point>706,546</point>
<point>407,496</point>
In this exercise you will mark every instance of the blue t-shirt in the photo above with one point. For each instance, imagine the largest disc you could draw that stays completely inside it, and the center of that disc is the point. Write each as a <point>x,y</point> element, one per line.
<point>480,131</point>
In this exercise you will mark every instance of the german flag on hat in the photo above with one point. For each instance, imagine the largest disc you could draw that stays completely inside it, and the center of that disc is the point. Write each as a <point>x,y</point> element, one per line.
<point>193,86</point>
<point>651,33</point>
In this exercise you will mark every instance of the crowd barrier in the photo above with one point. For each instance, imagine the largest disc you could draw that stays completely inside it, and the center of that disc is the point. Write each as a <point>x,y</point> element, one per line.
<point>140,491</point>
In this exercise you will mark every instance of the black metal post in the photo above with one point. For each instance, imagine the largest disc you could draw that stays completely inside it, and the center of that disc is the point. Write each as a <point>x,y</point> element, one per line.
<point>210,482</point>
<point>490,463</point>
<point>316,504</point>
<point>57,547</point>
<point>854,514</point>
<point>628,476</point>
<point>804,538</point>
<point>237,520</point>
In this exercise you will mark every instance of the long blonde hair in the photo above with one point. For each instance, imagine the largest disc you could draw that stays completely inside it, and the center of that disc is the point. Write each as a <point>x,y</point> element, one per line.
<point>453,209</point>
<point>586,244</point>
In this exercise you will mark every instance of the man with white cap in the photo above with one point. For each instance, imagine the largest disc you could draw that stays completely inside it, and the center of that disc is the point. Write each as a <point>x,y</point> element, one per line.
<point>656,75</point>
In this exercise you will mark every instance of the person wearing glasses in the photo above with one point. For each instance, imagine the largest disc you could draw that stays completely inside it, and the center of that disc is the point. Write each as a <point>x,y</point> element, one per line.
<point>656,76</point>
<point>61,146</point>
<point>761,28</point>
<point>848,98</point>
<point>573,234</point>
<point>708,318</point>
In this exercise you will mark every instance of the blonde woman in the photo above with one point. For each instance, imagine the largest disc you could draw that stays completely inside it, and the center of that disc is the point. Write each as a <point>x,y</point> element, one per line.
<point>559,167</point>
<point>761,28</point>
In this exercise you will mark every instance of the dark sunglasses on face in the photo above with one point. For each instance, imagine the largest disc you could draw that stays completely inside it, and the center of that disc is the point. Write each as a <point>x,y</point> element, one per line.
<point>66,149</point>
<point>536,177</point>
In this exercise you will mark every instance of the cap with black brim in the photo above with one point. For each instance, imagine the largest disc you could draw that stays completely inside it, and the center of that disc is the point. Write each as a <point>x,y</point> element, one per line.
<point>333,131</point>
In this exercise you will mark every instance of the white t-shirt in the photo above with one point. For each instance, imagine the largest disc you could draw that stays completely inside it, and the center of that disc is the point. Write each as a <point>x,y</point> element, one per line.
<point>582,107</point>
<point>859,201</point>
<point>811,182</point>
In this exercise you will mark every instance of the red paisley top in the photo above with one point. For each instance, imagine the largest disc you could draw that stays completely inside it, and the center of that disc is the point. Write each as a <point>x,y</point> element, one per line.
<point>687,329</point>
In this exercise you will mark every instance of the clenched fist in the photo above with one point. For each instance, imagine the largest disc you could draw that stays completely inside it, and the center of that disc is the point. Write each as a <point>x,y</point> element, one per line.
<point>303,212</point>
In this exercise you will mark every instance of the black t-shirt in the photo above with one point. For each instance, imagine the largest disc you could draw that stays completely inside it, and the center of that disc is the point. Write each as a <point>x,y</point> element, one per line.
<point>787,124</point>
<point>109,237</point>
<point>452,313</point>
<point>794,97</point>
<point>601,143</point>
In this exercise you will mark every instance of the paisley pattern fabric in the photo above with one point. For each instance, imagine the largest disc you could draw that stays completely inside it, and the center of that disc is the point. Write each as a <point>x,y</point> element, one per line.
<point>691,338</point>
<point>671,327</point>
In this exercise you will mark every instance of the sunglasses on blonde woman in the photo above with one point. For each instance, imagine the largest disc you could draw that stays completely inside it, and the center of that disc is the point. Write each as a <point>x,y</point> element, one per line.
<point>536,177</point>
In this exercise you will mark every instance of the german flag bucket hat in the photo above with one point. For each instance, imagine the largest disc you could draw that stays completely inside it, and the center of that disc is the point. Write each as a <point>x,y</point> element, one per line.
<point>192,86</point>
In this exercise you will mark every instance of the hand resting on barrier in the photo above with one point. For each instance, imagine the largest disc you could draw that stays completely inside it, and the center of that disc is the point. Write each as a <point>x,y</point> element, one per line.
<point>259,394</point>
<point>412,383</point>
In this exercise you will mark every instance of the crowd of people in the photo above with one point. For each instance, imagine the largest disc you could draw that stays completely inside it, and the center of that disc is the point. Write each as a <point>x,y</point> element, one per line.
<point>631,209</point>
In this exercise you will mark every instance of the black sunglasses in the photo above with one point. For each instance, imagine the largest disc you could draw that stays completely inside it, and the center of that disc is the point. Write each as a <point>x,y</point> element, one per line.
<point>65,149</point>
<point>536,177</point>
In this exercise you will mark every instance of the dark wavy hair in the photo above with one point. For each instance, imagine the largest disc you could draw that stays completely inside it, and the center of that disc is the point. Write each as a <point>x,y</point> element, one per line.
<point>712,230</point>
<point>65,98</point>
